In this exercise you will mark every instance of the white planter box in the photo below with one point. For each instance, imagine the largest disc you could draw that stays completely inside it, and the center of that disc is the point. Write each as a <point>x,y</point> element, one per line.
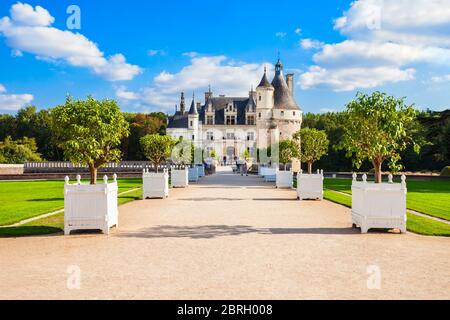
<point>310,186</point>
<point>379,205</point>
<point>180,178</point>
<point>90,207</point>
<point>193,174</point>
<point>284,179</point>
<point>201,171</point>
<point>155,185</point>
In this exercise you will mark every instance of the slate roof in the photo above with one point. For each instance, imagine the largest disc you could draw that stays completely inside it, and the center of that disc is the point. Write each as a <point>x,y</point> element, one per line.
<point>179,120</point>
<point>282,96</point>
<point>219,105</point>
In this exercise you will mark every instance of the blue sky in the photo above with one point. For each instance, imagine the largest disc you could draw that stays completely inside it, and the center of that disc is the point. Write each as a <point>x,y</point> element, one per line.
<point>143,53</point>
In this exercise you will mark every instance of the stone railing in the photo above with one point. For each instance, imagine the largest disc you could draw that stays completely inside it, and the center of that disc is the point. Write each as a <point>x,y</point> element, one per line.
<point>112,167</point>
<point>68,167</point>
<point>11,169</point>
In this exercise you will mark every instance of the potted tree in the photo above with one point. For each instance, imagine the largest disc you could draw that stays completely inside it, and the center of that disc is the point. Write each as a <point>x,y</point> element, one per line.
<point>377,128</point>
<point>313,146</point>
<point>157,149</point>
<point>287,149</point>
<point>89,132</point>
<point>181,156</point>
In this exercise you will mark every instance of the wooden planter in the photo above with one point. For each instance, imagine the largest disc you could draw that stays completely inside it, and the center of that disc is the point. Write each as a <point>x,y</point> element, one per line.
<point>284,179</point>
<point>180,178</point>
<point>379,205</point>
<point>155,185</point>
<point>310,186</point>
<point>193,174</point>
<point>90,207</point>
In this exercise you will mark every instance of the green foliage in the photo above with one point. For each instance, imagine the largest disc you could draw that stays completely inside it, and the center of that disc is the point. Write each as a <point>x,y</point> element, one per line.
<point>141,125</point>
<point>445,171</point>
<point>157,148</point>
<point>377,128</point>
<point>18,152</point>
<point>313,144</point>
<point>285,150</point>
<point>89,131</point>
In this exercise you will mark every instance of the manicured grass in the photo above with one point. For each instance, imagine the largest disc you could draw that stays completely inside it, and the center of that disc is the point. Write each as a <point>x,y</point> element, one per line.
<point>416,224</point>
<point>55,223</point>
<point>338,198</point>
<point>427,226</point>
<point>431,197</point>
<point>20,200</point>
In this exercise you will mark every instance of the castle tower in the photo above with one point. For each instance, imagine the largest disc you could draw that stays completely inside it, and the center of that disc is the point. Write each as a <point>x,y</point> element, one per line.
<point>264,106</point>
<point>193,121</point>
<point>286,115</point>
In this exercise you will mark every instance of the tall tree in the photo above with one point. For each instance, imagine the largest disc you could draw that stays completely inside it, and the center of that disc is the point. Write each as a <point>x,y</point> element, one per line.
<point>157,148</point>
<point>313,145</point>
<point>89,131</point>
<point>378,127</point>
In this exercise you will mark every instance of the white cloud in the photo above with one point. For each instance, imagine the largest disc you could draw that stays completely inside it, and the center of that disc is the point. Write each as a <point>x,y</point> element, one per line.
<point>191,54</point>
<point>29,30</point>
<point>223,74</point>
<point>155,52</point>
<point>349,79</point>
<point>439,79</point>
<point>396,37</point>
<point>124,94</point>
<point>311,44</point>
<point>298,31</point>
<point>280,34</point>
<point>13,102</point>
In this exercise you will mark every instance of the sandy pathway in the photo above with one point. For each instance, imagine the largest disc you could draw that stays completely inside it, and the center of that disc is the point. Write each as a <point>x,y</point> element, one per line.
<point>228,237</point>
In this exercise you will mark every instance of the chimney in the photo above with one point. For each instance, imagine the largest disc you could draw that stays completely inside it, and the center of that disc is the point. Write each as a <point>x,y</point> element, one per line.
<point>198,105</point>
<point>208,94</point>
<point>290,82</point>
<point>182,103</point>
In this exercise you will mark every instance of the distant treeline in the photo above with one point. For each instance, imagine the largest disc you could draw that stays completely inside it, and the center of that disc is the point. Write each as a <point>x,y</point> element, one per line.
<point>36,124</point>
<point>434,129</point>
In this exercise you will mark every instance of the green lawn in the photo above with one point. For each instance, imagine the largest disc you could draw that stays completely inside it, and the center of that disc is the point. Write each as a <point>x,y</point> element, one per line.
<point>429,197</point>
<point>55,223</point>
<point>416,224</point>
<point>27,199</point>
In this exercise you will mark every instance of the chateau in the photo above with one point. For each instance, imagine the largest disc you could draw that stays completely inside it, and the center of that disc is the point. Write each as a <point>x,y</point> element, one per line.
<point>231,125</point>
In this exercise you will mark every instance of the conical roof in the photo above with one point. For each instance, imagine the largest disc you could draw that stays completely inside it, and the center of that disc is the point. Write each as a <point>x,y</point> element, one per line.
<point>282,96</point>
<point>193,110</point>
<point>264,82</point>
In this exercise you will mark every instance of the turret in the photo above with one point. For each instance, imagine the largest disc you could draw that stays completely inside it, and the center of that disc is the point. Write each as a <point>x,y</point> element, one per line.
<point>264,93</point>
<point>182,104</point>
<point>193,115</point>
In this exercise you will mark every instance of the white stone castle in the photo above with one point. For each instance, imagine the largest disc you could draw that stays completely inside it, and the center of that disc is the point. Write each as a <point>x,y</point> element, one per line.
<point>231,125</point>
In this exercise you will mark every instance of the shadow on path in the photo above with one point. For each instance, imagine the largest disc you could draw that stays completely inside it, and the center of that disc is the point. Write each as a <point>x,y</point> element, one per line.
<point>209,232</point>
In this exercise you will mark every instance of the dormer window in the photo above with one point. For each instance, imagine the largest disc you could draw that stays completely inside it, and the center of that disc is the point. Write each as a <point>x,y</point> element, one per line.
<point>282,113</point>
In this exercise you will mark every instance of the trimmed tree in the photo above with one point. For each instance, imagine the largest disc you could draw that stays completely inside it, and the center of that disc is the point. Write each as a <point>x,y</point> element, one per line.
<point>378,127</point>
<point>90,132</point>
<point>286,149</point>
<point>313,146</point>
<point>157,148</point>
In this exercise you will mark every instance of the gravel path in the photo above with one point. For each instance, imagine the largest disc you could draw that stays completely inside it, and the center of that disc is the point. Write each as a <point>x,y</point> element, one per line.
<point>228,237</point>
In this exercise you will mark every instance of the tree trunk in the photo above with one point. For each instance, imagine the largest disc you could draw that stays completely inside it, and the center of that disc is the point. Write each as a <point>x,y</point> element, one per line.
<point>93,172</point>
<point>377,166</point>
<point>310,167</point>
